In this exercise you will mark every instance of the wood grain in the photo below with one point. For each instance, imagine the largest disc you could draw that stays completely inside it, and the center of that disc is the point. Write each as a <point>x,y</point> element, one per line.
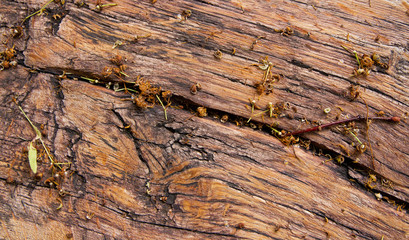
<point>136,175</point>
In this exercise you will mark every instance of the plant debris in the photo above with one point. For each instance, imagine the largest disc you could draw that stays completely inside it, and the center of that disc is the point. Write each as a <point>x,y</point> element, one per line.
<point>266,84</point>
<point>366,62</point>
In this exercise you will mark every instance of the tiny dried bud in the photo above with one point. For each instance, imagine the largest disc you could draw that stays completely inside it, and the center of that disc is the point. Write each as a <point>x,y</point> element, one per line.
<point>13,63</point>
<point>361,148</point>
<point>395,119</point>
<point>195,88</point>
<point>218,54</point>
<point>10,180</point>
<point>202,111</point>
<point>106,72</point>
<point>380,113</point>
<point>224,118</point>
<point>117,60</point>
<point>186,13</point>
<point>17,32</point>
<point>5,64</point>
<point>366,61</point>
<point>288,31</point>
<point>376,58</point>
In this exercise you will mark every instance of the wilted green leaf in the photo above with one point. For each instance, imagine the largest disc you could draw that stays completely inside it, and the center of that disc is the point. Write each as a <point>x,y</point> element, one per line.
<point>32,157</point>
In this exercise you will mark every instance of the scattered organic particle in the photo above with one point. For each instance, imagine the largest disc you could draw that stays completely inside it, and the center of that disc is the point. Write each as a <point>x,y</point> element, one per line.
<point>120,71</point>
<point>140,37</point>
<point>185,14</point>
<point>17,32</point>
<point>195,88</point>
<point>240,225</point>
<point>140,101</point>
<point>345,149</point>
<point>212,34</point>
<point>106,72</point>
<point>61,204</point>
<point>38,176</point>
<point>327,110</point>
<point>357,118</point>
<point>253,44</point>
<point>377,59</point>
<point>13,63</point>
<point>218,54</point>
<point>369,182</point>
<point>79,3</point>
<point>117,60</point>
<point>339,159</point>
<point>377,38</point>
<point>89,215</point>
<point>233,51</point>
<point>378,197</point>
<point>305,144</point>
<point>117,44</point>
<point>202,111</point>
<point>167,95</point>
<point>400,206</point>
<point>7,58</point>
<point>100,6</point>
<point>276,132</point>
<point>288,140</point>
<point>287,31</point>
<point>57,16</point>
<point>153,1</point>
<point>10,180</point>
<point>224,118</point>
<point>90,80</point>
<point>387,183</point>
<point>354,92</point>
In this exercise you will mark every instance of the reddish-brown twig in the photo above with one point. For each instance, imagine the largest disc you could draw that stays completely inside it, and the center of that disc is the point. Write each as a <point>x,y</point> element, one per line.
<point>357,118</point>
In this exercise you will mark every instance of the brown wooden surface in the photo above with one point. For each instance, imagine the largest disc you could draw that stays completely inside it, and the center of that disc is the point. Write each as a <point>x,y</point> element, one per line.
<point>136,175</point>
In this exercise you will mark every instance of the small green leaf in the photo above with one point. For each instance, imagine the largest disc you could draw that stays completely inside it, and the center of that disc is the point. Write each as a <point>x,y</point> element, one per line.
<point>32,157</point>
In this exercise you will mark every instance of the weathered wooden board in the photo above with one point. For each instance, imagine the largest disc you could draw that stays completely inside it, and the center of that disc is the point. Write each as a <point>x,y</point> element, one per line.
<point>136,175</point>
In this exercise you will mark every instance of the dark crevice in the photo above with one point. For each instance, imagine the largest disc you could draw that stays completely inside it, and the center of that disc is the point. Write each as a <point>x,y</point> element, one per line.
<point>137,141</point>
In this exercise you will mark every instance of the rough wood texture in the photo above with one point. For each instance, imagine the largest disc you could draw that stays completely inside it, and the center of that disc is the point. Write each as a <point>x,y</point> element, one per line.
<point>136,175</point>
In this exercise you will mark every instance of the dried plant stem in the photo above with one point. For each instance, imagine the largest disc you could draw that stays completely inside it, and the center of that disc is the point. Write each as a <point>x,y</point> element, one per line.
<point>357,118</point>
<point>38,12</point>
<point>367,133</point>
<point>163,106</point>
<point>38,135</point>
